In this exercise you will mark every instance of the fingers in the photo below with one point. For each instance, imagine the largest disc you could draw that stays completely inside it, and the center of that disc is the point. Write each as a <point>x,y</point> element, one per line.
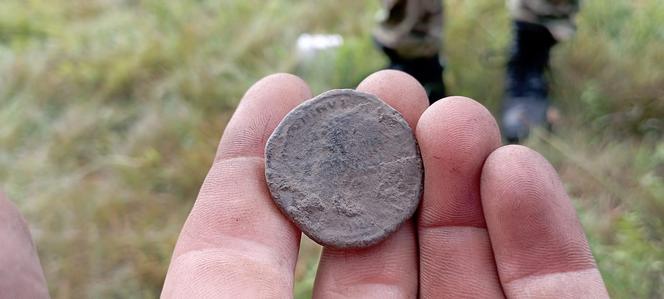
<point>455,136</point>
<point>389,269</point>
<point>399,90</point>
<point>386,270</point>
<point>539,245</point>
<point>235,241</point>
<point>21,275</point>
<point>259,112</point>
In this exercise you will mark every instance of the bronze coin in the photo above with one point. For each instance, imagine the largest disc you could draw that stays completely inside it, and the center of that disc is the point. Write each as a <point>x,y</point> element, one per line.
<point>345,168</point>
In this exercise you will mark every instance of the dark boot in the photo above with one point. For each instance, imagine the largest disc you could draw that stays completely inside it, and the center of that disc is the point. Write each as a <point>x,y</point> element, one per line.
<point>526,88</point>
<point>427,70</point>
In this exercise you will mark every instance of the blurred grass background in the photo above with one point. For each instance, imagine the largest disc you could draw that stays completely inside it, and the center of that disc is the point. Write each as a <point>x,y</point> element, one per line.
<point>110,112</point>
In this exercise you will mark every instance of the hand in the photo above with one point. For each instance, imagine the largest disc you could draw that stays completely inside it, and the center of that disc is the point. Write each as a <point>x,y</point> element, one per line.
<point>494,221</point>
<point>21,275</point>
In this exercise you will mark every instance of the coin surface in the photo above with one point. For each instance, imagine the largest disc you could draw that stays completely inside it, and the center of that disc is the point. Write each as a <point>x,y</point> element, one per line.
<point>345,168</point>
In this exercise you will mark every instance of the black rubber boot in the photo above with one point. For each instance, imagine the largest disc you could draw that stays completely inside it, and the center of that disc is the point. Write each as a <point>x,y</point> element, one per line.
<point>427,70</point>
<point>526,88</point>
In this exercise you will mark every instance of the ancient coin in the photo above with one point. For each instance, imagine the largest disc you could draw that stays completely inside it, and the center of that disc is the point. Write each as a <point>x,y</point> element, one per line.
<point>345,168</point>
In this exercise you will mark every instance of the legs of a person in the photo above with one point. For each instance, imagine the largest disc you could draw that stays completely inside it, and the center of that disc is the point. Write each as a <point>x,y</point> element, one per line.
<point>537,26</point>
<point>410,35</point>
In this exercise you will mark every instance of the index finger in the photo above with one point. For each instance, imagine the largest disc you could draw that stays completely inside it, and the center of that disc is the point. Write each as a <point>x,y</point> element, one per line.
<point>235,241</point>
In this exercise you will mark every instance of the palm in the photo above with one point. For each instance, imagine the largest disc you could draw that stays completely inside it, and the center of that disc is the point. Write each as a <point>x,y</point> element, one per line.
<point>493,222</point>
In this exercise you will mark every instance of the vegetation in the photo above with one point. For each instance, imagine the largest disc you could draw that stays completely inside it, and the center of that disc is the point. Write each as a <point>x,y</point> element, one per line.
<point>110,112</point>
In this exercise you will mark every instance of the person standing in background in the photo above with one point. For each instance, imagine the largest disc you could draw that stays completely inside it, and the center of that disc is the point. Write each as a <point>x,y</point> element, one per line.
<point>410,35</point>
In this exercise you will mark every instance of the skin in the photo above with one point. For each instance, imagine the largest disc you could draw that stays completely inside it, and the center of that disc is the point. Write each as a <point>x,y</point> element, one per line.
<point>494,221</point>
<point>21,275</point>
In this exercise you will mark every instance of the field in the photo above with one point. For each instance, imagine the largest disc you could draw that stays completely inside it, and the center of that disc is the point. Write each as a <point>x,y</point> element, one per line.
<point>110,112</point>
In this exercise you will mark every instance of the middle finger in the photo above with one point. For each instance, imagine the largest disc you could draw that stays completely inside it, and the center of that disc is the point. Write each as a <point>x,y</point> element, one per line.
<point>389,269</point>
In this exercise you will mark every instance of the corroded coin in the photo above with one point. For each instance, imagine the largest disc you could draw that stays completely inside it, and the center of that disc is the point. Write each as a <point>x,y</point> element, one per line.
<point>345,168</point>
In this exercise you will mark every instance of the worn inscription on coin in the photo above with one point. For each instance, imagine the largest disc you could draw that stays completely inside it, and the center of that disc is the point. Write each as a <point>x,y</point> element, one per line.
<point>345,168</point>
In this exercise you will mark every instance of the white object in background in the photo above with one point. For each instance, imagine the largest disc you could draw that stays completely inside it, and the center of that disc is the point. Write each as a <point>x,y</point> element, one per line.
<point>309,45</point>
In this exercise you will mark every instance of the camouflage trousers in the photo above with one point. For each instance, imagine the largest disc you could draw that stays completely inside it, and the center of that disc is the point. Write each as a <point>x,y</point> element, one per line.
<point>413,28</point>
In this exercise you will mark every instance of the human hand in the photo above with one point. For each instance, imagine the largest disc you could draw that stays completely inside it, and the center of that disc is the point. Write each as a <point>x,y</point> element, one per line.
<point>21,275</point>
<point>493,222</point>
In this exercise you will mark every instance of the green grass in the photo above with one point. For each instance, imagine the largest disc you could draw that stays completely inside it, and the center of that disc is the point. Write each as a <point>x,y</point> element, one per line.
<point>110,112</point>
